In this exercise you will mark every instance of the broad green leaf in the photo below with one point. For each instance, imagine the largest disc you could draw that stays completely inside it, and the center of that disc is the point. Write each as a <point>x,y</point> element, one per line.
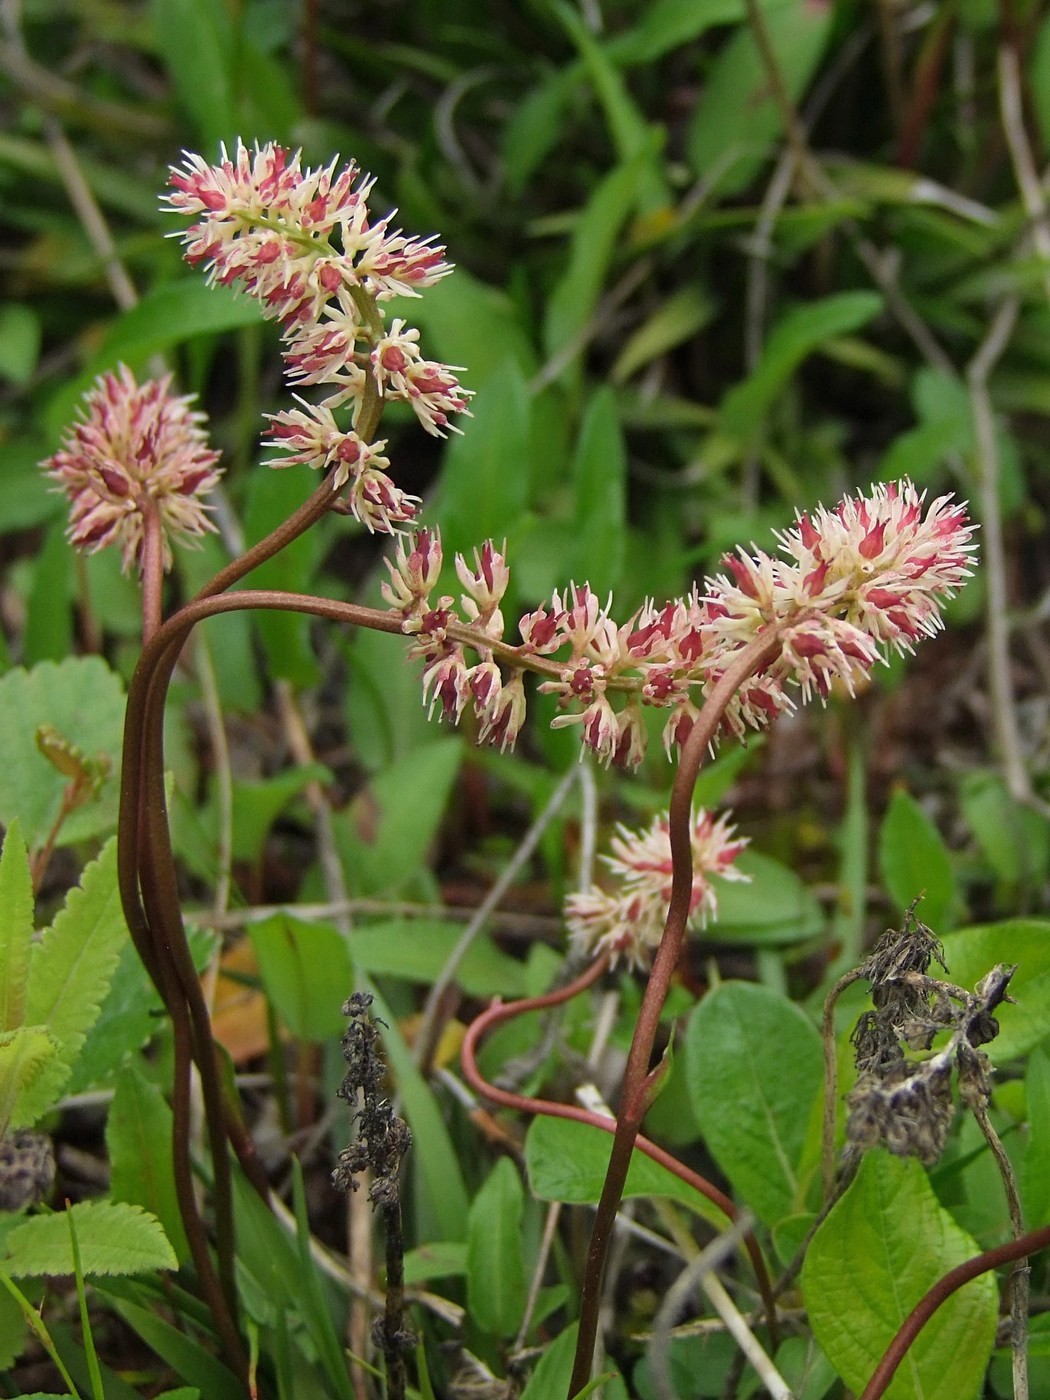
<point>14,1332</point>
<point>1015,839</point>
<point>554,1371</point>
<point>881,1248</point>
<point>26,1053</point>
<point>16,928</point>
<point>599,478</point>
<point>496,1281</point>
<point>595,239</point>
<point>774,907</point>
<point>972,952</point>
<point>466,322</point>
<point>567,1161</point>
<point>537,124</point>
<point>683,315</point>
<point>113,1239</point>
<point>48,631</point>
<point>229,637</point>
<point>19,342</point>
<point>197,42</point>
<point>69,973</point>
<point>913,861</point>
<point>798,333</point>
<point>664,25</point>
<point>257,805</point>
<point>441,1259</point>
<point>485,481</point>
<point>1035,1179</point>
<point>139,1142</point>
<point>417,950</point>
<point>737,121</point>
<point>384,699</point>
<point>26,497</point>
<point>84,700</point>
<point>306,973</point>
<point>754,1067</point>
<point>389,827</point>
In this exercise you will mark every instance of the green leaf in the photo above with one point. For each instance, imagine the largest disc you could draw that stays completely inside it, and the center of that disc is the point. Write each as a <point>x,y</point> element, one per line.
<point>554,1368</point>
<point>496,1282</point>
<point>257,805</point>
<point>737,120</point>
<point>972,952</point>
<point>441,1259</point>
<point>26,1053</point>
<point>139,1142</point>
<point>754,1066</point>
<point>16,928</point>
<point>392,823</point>
<point>84,700</point>
<point>484,484</point>
<point>19,342</point>
<point>913,861</point>
<point>595,239</point>
<point>664,25</point>
<point>69,973</point>
<point>306,972</point>
<point>881,1248</point>
<point>417,950</point>
<point>113,1239</point>
<point>683,315</point>
<point>797,334</point>
<point>48,633</point>
<point>14,1330</point>
<point>774,907</point>
<point>197,42</point>
<point>1014,839</point>
<point>599,478</point>
<point>183,1353</point>
<point>1035,1179</point>
<point>466,322</point>
<point>567,1161</point>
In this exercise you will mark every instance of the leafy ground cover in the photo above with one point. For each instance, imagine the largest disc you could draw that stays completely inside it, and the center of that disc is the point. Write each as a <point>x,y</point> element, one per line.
<point>717,263</point>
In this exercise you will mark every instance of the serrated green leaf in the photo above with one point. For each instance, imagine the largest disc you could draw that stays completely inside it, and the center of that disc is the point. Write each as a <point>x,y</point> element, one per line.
<point>496,1282</point>
<point>567,1161</point>
<point>25,1054</point>
<point>306,972</point>
<point>114,1238</point>
<point>798,333</point>
<point>882,1246</point>
<point>139,1142</point>
<point>972,952</point>
<point>84,700</point>
<point>754,1067</point>
<point>16,928</point>
<point>69,973</point>
<point>913,861</point>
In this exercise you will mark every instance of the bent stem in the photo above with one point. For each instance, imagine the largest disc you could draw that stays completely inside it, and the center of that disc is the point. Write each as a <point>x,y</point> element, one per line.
<point>941,1291</point>
<point>500,1012</point>
<point>639,1081</point>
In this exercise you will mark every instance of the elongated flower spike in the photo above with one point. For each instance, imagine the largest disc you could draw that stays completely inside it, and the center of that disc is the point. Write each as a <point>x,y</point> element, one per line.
<point>136,448</point>
<point>304,244</point>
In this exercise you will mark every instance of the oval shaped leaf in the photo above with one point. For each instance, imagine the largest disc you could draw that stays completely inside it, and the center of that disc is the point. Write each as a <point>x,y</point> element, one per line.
<point>754,1067</point>
<point>496,1287</point>
<point>913,861</point>
<point>881,1248</point>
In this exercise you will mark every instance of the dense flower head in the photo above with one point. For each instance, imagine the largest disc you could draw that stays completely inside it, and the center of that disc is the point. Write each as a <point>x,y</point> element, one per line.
<point>136,448</point>
<point>855,582</point>
<point>304,243</point>
<point>628,921</point>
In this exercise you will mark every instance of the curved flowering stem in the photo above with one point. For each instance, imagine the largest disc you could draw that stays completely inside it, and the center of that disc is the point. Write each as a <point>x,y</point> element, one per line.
<point>639,1081</point>
<point>499,1012</point>
<point>941,1291</point>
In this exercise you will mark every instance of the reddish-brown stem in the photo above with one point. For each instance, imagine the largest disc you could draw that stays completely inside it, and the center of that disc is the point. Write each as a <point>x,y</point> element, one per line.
<point>152,567</point>
<point>638,1079</point>
<point>962,1274</point>
<point>520,1103</point>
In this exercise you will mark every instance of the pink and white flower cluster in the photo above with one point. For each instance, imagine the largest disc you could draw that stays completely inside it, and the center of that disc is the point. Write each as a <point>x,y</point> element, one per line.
<point>629,921</point>
<point>868,576</point>
<point>304,243</point>
<point>136,449</point>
